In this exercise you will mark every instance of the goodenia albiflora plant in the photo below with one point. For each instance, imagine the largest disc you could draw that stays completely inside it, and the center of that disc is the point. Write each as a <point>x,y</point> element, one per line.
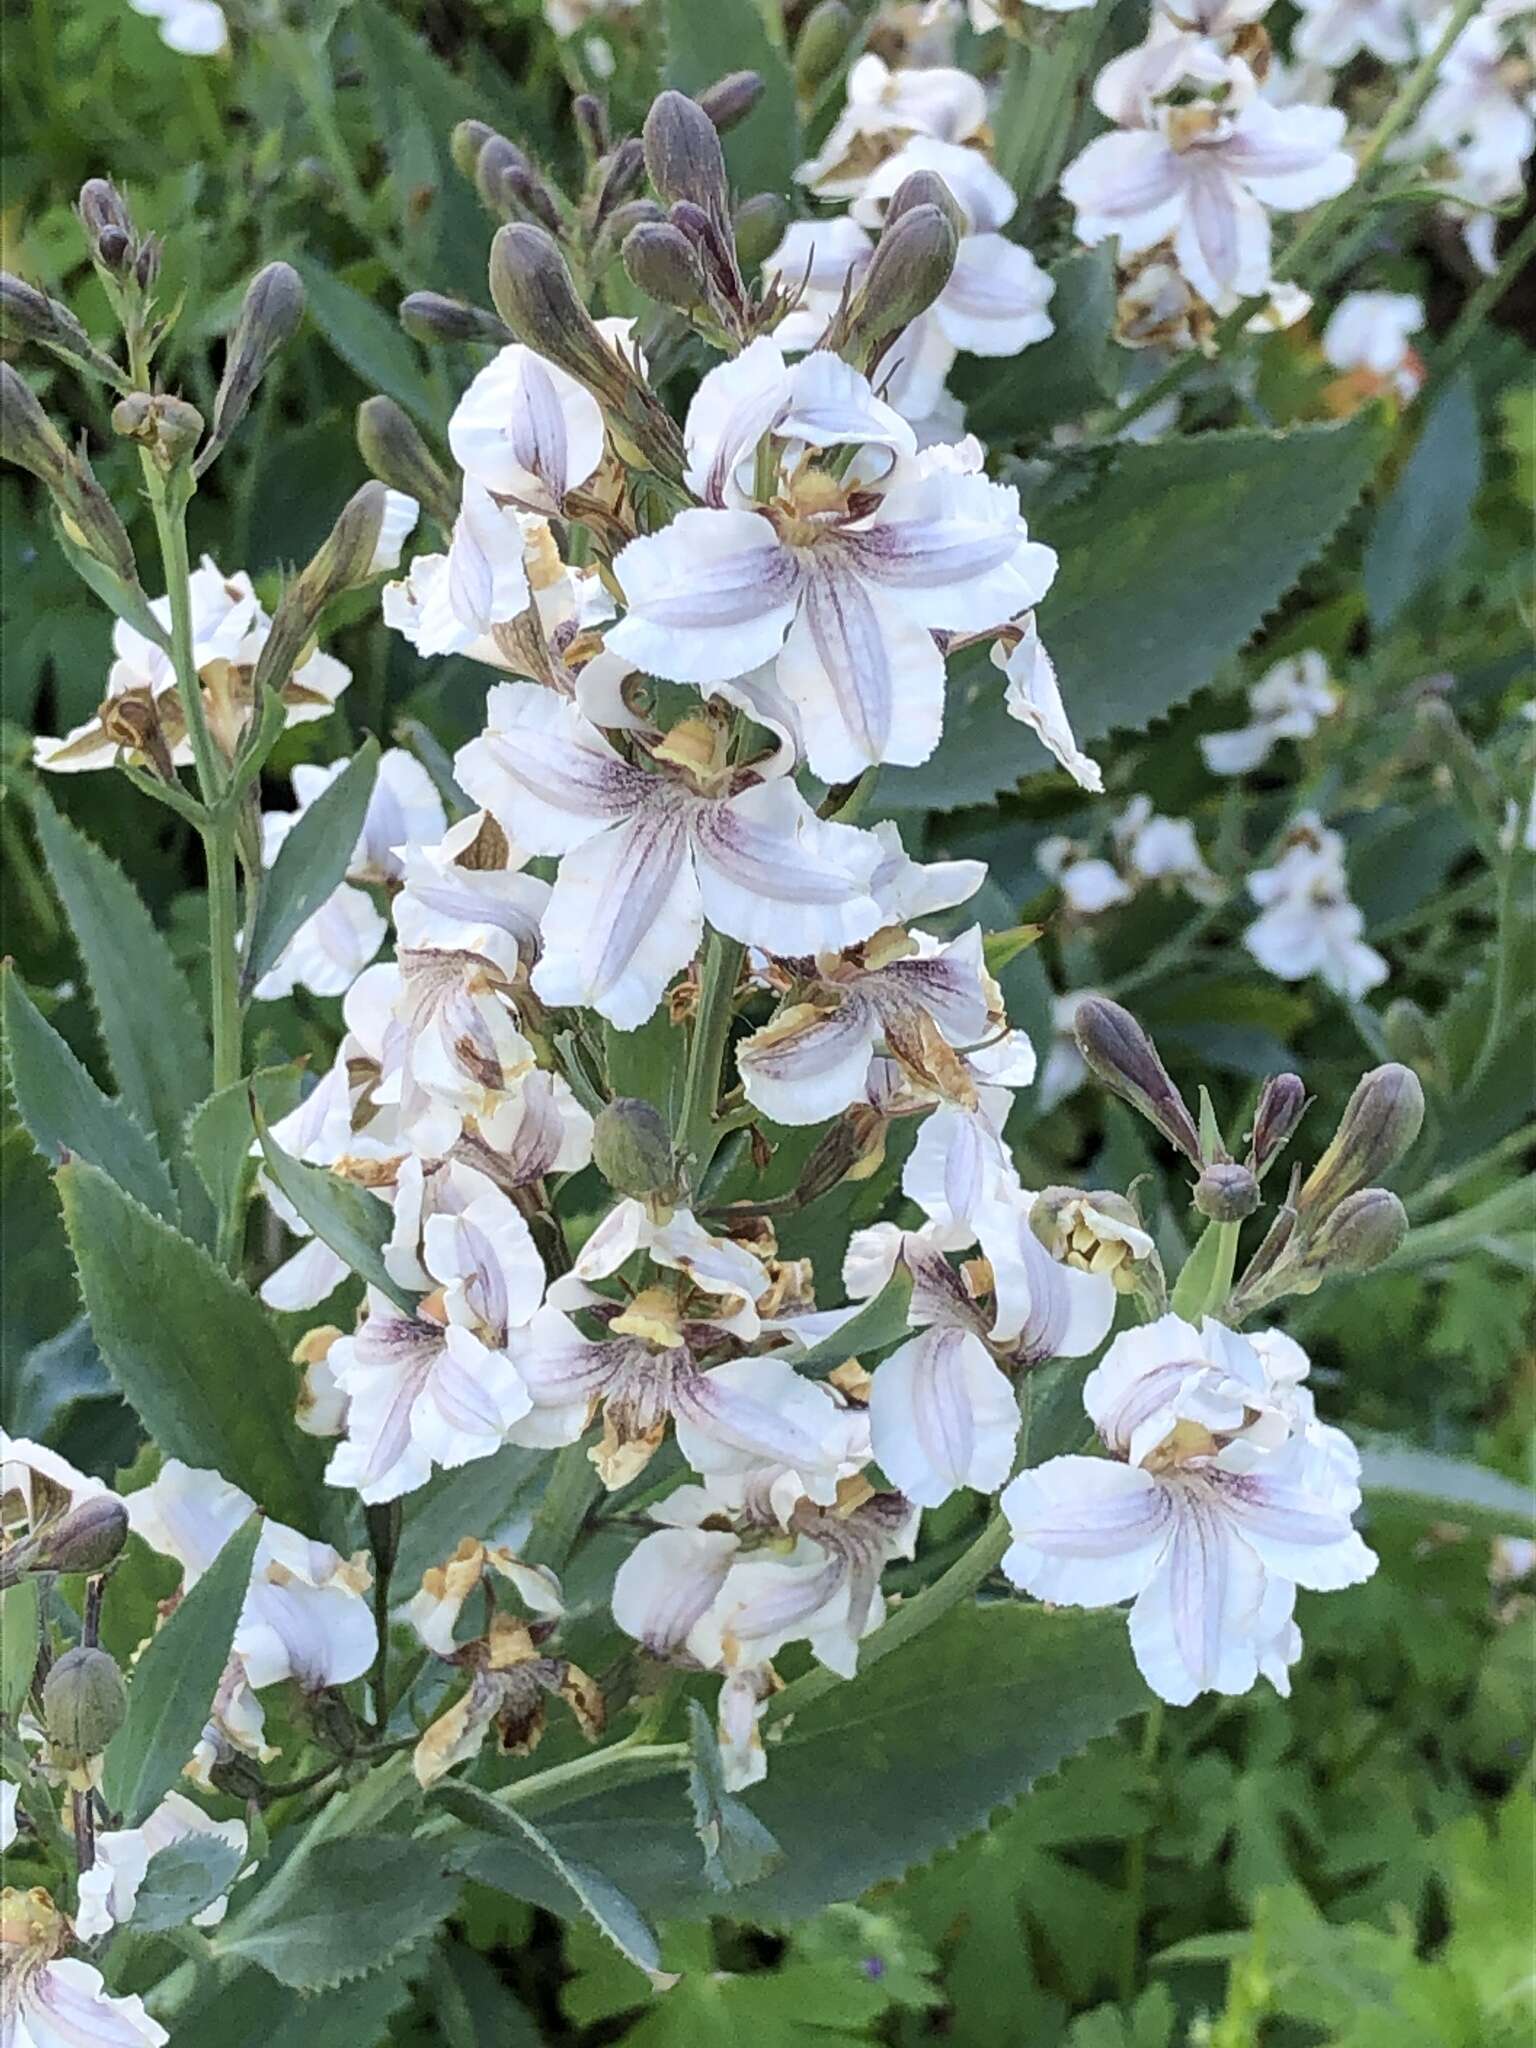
<point>662,1167</point>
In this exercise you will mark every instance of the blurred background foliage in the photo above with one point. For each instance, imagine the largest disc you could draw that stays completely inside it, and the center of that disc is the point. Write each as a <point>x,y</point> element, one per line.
<point>1352,1867</point>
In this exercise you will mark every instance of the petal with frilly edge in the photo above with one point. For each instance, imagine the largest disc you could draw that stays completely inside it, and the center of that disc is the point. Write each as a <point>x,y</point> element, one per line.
<point>1194,1627</point>
<point>1290,157</point>
<point>471,1401</point>
<point>668,1583</point>
<point>65,2004</point>
<point>1086,1532</point>
<point>756,1412</point>
<point>951,551</point>
<point>830,405</point>
<point>866,680</point>
<point>808,1063</point>
<point>382,1370</point>
<point>773,874</point>
<point>709,597</point>
<point>547,777</point>
<point>1033,697</point>
<point>624,916</point>
<point>734,406</point>
<point>1130,185</point>
<point>906,889</point>
<point>996,299</point>
<point>942,1416</point>
<point>1298,1530</point>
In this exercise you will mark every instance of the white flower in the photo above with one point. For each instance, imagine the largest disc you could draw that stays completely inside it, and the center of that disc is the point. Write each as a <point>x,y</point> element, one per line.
<point>1482,107</point>
<point>434,1609</point>
<point>1288,702</point>
<point>193,28</point>
<point>1089,885</point>
<point>453,603</point>
<point>646,857</point>
<point>882,109</point>
<point>110,1888</point>
<point>1211,1507</point>
<point>37,1486</point>
<point>527,431</point>
<point>1205,175</point>
<point>229,630</point>
<point>1159,849</point>
<point>333,946</point>
<point>842,579</point>
<point>1331,32</point>
<point>1034,698</point>
<point>1309,925</point>
<point>54,2001</point>
<point>1370,331</point>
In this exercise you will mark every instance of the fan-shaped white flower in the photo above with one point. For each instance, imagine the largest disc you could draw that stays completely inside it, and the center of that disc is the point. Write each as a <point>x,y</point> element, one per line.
<point>451,604</point>
<point>1288,702</point>
<point>1309,924</point>
<point>646,857</point>
<point>1369,331</point>
<point>50,2000</point>
<point>882,109</point>
<point>842,576</point>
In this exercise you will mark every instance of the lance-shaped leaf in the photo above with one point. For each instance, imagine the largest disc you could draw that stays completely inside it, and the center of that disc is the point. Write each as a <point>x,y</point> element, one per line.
<point>1399,1478</point>
<point>65,1112</point>
<point>194,1354</point>
<point>738,1849</point>
<point>354,1223</point>
<point>311,862</point>
<point>340,1909</point>
<point>18,1643</point>
<point>220,1132</point>
<point>174,1681</point>
<point>878,1324</point>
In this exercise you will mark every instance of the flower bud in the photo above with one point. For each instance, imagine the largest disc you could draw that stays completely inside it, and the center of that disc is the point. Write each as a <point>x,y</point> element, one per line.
<point>925,188</point>
<point>824,36</point>
<point>662,263</point>
<point>84,1704</point>
<point>591,126</point>
<point>29,439</point>
<point>364,542</point>
<point>26,314</point>
<point>87,1538</point>
<point>108,228</point>
<point>113,251</point>
<point>632,1148</point>
<point>851,1150</point>
<point>498,159</point>
<point>532,197</point>
<point>1363,1231</point>
<point>465,145</point>
<point>269,318</point>
<point>429,317</point>
<point>1227,1192</point>
<point>730,99</point>
<point>759,226</point>
<point>1120,1053</point>
<point>146,264</point>
<point>169,428</point>
<point>27,436</point>
<point>1100,1232</point>
<point>237,1777</point>
<point>683,154</point>
<point>910,266</point>
<point>1282,1105</point>
<point>1380,1122</point>
<point>623,175</point>
<point>391,444</point>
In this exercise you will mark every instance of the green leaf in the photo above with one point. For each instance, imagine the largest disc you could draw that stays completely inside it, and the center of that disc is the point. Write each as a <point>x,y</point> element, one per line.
<point>174,1681</point>
<point>874,1776</point>
<point>1401,1478</point>
<point>340,1910</point>
<point>149,1023</point>
<point>368,341</point>
<point>193,1353</point>
<point>1170,560</point>
<point>354,1223</point>
<point>1056,379</point>
<point>18,1643</point>
<point>706,39</point>
<point>1423,527</point>
<point>220,1132</point>
<point>1202,1286</point>
<point>579,1884</point>
<point>311,861</point>
<point>738,1849</point>
<point>252,2010</point>
<point>881,1322</point>
<point>64,1110</point>
<point>183,1879</point>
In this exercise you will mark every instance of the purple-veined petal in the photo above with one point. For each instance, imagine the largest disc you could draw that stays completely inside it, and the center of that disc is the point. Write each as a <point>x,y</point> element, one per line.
<point>996,299</point>
<point>1194,1627</point>
<point>775,875</point>
<point>668,1583</point>
<point>734,406</point>
<point>809,1063</point>
<point>1296,1532</point>
<point>624,916</point>
<point>709,597</point>
<point>952,552</point>
<point>1130,185</point>
<point>1086,1532</point>
<point>1222,241</point>
<point>942,1416</point>
<point>867,681</point>
<point>548,778</point>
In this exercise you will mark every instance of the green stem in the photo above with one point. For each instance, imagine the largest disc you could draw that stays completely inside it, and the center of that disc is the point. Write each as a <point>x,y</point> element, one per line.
<point>223,956</point>
<point>1136,1870</point>
<point>706,1053</point>
<point>573,1487</point>
<point>619,1764</point>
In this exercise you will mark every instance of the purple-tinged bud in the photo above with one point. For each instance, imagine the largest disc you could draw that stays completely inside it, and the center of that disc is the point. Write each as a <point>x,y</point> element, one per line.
<point>759,226</point>
<point>730,99</point>
<point>1362,1232</point>
<point>100,205</point>
<point>821,44</point>
<point>269,318</point>
<point>911,265</point>
<point>28,437</point>
<point>524,187</point>
<point>714,246</point>
<point>1282,1105</point>
<point>663,263</point>
<point>1380,1122</point>
<point>85,1702</point>
<point>86,1539</point>
<point>167,427</point>
<point>430,318</point>
<point>683,155</point>
<point>465,145</point>
<point>632,1149</point>
<point>925,188</point>
<point>28,315</point>
<point>1227,1192</point>
<point>113,251</point>
<point>1119,1052</point>
<point>146,263</point>
<point>391,444</point>
<point>498,160</point>
<point>533,293</point>
<point>623,175</point>
<point>591,126</point>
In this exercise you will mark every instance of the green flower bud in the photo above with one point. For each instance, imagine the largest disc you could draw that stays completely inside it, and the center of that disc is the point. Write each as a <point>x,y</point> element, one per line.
<point>1120,1053</point>
<point>1380,1122</point>
<point>498,159</point>
<point>663,263</point>
<point>269,318</point>
<point>465,145</point>
<point>29,439</point>
<point>819,48</point>
<point>1227,1192</point>
<point>391,444</point>
<point>532,197</point>
<point>360,545</point>
<point>85,1702</point>
<point>632,1149</point>
<point>28,315</point>
<point>87,1538</point>
<point>430,318</point>
<point>925,188</point>
<point>1363,1231</point>
<point>910,266</point>
<point>759,224</point>
<point>730,99</point>
<point>27,436</point>
<point>1282,1104</point>
<point>683,154</point>
<point>168,427</point>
